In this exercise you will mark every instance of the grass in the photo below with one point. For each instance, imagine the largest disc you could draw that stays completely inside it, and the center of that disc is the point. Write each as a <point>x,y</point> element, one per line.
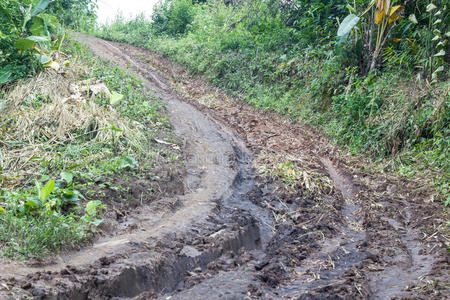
<point>28,236</point>
<point>388,115</point>
<point>59,144</point>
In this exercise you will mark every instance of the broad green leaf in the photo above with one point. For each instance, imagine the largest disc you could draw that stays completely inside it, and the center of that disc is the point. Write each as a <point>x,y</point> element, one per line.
<point>6,74</point>
<point>71,196</point>
<point>78,194</point>
<point>347,24</point>
<point>31,204</point>
<point>40,6</point>
<point>38,26</point>
<point>68,177</point>
<point>38,39</point>
<point>44,60</point>
<point>2,35</point>
<point>29,42</point>
<point>91,207</point>
<point>45,192</point>
<point>24,44</point>
<point>128,162</point>
<point>115,98</point>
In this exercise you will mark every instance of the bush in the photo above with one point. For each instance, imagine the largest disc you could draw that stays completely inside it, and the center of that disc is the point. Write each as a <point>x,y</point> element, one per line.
<point>173,17</point>
<point>30,32</point>
<point>284,56</point>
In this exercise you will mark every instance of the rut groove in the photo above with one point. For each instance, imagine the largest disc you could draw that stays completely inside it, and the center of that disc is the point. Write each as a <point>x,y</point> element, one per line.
<point>217,240</point>
<point>218,174</point>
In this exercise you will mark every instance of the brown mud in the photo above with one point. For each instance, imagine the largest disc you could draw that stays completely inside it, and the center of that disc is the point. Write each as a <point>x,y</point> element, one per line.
<point>241,233</point>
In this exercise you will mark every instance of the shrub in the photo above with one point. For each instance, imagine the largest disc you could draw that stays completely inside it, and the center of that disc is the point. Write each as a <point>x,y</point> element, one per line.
<point>285,56</point>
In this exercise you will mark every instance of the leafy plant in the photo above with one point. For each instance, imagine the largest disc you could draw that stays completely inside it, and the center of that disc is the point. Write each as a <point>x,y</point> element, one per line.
<point>128,162</point>
<point>436,38</point>
<point>93,206</point>
<point>385,17</point>
<point>173,17</point>
<point>284,56</point>
<point>92,210</point>
<point>29,34</point>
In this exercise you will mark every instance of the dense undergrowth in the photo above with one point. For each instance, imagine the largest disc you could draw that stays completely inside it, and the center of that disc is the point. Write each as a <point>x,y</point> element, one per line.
<point>71,139</point>
<point>33,31</point>
<point>286,56</point>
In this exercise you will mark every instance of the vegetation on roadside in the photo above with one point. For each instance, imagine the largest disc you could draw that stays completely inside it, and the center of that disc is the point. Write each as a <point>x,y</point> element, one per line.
<point>371,74</point>
<point>71,140</point>
<point>32,33</point>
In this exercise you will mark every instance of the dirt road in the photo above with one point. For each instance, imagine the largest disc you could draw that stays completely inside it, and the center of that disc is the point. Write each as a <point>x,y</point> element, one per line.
<point>272,211</point>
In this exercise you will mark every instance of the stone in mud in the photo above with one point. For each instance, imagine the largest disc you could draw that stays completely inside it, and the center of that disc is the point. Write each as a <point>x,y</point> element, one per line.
<point>190,251</point>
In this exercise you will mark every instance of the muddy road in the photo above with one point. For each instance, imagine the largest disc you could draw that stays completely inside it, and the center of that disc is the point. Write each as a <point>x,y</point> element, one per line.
<point>271,210</point>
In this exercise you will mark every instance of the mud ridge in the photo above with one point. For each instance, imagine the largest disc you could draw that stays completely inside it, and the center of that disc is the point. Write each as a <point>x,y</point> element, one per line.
<point>167,244</point>
<point>242,234</point>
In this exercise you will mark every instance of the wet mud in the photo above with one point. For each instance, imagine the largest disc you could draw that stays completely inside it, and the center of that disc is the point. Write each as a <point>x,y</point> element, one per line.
<point>240,233</point>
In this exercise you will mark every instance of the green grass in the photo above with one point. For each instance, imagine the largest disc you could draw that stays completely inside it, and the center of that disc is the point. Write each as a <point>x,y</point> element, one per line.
<point>386,115</point>
<point>30,236</point>
<point>82,164</point>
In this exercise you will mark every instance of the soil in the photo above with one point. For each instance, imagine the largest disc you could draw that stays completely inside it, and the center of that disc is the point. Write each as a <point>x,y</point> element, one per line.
<point>240,230</point>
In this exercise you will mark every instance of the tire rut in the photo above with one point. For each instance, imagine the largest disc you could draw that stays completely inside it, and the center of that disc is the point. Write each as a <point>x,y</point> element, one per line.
<point>237,234</point>
<point>173,236</point>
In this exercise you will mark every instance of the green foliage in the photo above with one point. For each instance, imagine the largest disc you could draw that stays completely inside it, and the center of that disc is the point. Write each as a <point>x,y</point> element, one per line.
<point>30,32</point>
<point>128,162</point>
<point>76,14</point>
<point>283,55</point>
<point>64,206</point>
<point>92,211</point>
<point>36,222</point>
<point>92,207</point>
<point>347,25</point>
<point>26,44</point>
<point>29,236</point>
<point>173,16</point>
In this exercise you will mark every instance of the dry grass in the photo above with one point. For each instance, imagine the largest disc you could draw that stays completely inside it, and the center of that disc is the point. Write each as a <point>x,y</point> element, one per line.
<point>65,113</point>
<point>294,171</point>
